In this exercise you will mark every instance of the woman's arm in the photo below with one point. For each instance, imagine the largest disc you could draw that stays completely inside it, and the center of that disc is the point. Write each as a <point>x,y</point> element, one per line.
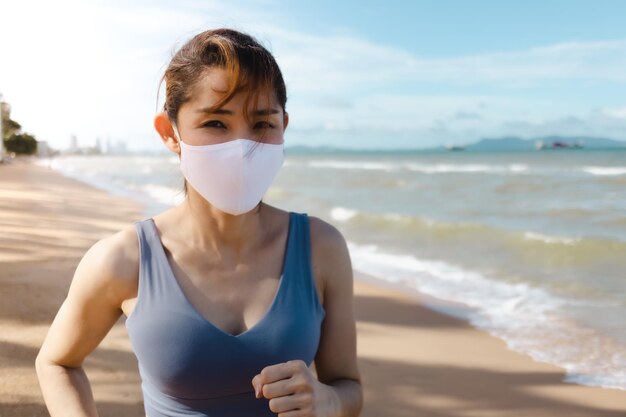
<point>100,284</point>
<point>336,359</point>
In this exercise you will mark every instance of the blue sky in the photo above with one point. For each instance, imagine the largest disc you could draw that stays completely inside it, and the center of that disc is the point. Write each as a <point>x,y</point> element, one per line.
<point>359,74</point>
<point>447,28</point>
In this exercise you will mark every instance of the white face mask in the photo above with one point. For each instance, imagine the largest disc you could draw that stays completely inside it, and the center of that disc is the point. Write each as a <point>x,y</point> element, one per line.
<point>228,175</point>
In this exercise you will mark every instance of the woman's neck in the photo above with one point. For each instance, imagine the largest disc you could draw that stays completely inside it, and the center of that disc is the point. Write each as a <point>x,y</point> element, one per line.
<point>207,227</point>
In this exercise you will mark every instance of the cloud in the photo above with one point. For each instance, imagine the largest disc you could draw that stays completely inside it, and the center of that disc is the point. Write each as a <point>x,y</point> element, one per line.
<point>617,113</point>
<point>466,115</point>
<point>595,124</point>
<point>404,111</point>
<point>340,63</point>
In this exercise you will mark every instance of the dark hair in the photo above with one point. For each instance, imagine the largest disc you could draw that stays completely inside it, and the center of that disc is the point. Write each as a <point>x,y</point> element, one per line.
<point>251,67</point>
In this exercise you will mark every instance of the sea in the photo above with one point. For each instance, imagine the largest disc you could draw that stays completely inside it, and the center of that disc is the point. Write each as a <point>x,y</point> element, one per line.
<point>533,243</point>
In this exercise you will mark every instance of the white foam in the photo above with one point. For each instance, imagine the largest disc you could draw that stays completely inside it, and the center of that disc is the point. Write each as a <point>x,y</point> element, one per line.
<point>366,165</point>
<point>465,168</point>
<point>145,159</point>
<point>402,218</point>
<point>528,319</point>
<point>605,170</point>
<point>103,172</point>
<point>518,168</point>
<point>551,239</point>
<point>165,195</point>
<point>342,214</point>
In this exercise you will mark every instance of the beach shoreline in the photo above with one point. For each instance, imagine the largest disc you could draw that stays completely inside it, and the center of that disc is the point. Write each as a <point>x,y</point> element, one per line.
<point>417,354</point>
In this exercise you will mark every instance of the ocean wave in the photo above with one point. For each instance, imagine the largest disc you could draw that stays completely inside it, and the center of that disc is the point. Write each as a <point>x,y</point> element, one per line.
<point>162,194</point>
<point>342,213</point>
<point>443,229</point>
<point>529,319</point>
<point>423,168</point>
<point>364,165</point>
<point>551,239</point>
<point>466,168</point>
<point>602,171</point>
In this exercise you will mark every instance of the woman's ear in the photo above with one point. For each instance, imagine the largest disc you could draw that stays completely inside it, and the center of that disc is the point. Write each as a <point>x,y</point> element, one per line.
<point>285,120</point>
<point>164,127</point>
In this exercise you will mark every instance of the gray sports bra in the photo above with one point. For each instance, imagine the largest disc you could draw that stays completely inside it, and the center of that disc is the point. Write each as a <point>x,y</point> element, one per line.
<point>190,367</point>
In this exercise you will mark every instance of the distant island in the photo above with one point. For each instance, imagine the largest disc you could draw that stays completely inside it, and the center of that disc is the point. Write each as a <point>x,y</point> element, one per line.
<point>514,143</point>
<point>500,144</point>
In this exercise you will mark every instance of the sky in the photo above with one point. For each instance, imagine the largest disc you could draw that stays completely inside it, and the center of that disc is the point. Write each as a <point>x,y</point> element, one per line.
<point>359,74</point>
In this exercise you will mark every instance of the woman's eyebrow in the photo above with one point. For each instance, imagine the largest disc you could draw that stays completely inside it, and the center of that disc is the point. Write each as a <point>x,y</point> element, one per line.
<point>265,112</point>
<point>208,110</point>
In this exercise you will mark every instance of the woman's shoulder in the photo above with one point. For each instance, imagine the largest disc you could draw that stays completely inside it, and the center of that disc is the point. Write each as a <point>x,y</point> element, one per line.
<point>329,251</point>
<point>113,263</point>
<point>324,233</point>
<point>117,253</point>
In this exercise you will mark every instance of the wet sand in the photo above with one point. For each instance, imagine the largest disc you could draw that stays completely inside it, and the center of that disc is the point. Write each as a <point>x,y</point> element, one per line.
<point>414,360</point>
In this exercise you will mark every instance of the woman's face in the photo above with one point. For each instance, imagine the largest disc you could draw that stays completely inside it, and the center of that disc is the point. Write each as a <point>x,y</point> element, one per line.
<point>197,126</point>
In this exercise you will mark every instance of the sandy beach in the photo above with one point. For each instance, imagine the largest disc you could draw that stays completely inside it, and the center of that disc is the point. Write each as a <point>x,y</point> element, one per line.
<point>414,361</point>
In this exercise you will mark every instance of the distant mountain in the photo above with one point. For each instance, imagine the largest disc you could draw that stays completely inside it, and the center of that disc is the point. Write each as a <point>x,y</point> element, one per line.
<point>502,144</point>
<point>514,143</point>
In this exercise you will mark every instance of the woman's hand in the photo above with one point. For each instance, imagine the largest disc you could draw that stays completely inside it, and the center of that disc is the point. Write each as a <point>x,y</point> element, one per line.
<point>294,391</point>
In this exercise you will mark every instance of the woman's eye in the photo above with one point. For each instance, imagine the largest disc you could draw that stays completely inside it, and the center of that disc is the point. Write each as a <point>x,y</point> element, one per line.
<point>213,123</point>
<point>264,125</point>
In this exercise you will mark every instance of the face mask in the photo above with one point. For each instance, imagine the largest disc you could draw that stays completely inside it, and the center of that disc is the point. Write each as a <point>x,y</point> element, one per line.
<point>229,175</point>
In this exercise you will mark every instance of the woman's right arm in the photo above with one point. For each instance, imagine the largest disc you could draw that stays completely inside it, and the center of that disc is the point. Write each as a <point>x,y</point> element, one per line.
<point>102,281</point>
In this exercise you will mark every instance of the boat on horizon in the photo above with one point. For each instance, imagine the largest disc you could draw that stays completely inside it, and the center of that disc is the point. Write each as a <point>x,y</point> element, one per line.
<point>541,145</point>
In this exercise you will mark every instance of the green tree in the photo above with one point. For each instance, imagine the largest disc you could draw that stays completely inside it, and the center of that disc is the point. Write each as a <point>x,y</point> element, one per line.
<point>10,127</point>
<point>14,139</point>
<point>22,143</point>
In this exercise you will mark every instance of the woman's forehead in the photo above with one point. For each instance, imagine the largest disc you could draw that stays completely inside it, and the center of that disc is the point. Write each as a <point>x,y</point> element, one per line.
<point>210,89</point>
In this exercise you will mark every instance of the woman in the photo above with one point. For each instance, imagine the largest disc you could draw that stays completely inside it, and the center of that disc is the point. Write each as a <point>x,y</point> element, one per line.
<point>228,300</point>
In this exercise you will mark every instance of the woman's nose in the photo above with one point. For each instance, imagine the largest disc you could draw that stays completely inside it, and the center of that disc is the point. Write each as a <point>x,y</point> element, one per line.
<point>246,133</point>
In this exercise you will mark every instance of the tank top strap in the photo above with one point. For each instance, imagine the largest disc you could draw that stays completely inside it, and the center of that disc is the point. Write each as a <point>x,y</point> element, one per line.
<point>155,287</point>
<point>298,267</point>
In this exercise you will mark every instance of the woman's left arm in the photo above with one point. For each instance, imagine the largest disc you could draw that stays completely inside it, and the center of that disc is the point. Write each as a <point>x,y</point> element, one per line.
<point>336,359</point>
<point>337,391</point>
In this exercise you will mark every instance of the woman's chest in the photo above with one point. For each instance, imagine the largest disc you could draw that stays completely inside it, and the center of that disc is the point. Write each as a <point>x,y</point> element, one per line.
<point>236,299</point>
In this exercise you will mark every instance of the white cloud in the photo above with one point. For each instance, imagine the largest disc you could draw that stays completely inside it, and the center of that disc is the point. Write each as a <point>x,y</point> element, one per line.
<point>617,113</point>
<point>338,63</point>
